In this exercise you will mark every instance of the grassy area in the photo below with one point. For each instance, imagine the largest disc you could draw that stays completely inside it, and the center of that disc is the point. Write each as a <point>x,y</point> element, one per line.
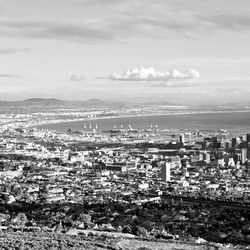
<point>41,240</point>
<point>47,241</point>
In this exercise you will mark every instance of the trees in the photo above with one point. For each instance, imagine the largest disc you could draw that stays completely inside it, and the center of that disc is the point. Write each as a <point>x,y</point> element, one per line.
<point>20,220</point>
<point>84,218</point>
<point>140,231</point>
<point>127,230</point>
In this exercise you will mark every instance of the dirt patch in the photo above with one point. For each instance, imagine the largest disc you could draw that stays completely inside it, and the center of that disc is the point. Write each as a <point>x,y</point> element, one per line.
<point>152,245</point>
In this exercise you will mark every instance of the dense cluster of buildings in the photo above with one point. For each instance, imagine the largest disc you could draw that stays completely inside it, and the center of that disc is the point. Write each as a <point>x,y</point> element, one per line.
<point>211,166</point>
<point>126,166</point>
<point>214,167</point>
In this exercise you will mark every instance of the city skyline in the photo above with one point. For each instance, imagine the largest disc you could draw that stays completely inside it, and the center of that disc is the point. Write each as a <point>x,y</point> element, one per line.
<point>195,52</point>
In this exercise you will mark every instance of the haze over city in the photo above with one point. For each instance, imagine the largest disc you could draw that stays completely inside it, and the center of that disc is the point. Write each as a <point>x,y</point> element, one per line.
<point>151,50</point>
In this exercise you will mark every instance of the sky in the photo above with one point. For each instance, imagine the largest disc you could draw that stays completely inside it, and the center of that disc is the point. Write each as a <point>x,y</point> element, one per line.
<point>195,51</point>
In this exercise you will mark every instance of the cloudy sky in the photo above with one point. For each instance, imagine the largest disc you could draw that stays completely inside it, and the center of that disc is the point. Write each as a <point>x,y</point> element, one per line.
<point>167,50</point>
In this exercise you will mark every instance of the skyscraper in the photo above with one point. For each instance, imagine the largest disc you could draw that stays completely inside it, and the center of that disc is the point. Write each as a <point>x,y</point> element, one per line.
<point>208,157</point>
<point>165,172</point>
<point>243,155</point>
<point>233,142</point>
<point>248,137</point>
<point>182,138</point>
<point>244,137</point>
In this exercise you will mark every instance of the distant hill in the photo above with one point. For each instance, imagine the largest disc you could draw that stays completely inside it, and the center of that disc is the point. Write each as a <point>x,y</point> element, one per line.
<point>34,102</point>
<point>53,103</point>
<point>39,100</point>
<point>98,103</point>
<point>162,103</point>
<point>56,103</point>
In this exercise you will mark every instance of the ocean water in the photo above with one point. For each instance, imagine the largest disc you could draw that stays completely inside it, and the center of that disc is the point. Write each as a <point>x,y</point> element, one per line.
<point>238,122</point>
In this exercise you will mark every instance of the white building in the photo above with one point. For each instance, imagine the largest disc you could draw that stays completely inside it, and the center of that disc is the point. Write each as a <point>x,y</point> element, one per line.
<point>182,139</point>
<point>165,172</point>
<point>243,155</point>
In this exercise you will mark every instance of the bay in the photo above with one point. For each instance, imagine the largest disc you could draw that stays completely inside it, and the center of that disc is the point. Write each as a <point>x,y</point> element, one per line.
<point>231,121</point>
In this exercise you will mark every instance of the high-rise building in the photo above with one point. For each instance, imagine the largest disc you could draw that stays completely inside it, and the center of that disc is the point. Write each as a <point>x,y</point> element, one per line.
<point>243,155</point>
<point>182,138</point>
<point>238,140</point>
<point>207,157</point>
<point>248,137</point>
<point>233,142</point>
<point>165,172</point>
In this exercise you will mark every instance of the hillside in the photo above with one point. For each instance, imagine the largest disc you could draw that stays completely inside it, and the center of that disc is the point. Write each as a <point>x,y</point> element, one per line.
<point>42,240</point>
<point>40,104</point>
<point>56,103</point>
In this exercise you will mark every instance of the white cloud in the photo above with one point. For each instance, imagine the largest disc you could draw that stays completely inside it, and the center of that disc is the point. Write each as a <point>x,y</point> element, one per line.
<point>150,74</point>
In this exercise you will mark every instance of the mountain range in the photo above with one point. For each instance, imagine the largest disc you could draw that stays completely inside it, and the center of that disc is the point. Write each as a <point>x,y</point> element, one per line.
<point>57,103</point>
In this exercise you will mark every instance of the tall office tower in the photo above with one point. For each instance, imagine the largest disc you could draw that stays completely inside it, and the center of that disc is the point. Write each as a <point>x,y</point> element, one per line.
<point>238,140</point>
<point>165,172</point>
<point>208,157</point>
<point>244,137</point>
<point>243,155</point>
<point>233,142</point>
<point>248,137</point>
<point>244,141</point>
<point>182,139</point>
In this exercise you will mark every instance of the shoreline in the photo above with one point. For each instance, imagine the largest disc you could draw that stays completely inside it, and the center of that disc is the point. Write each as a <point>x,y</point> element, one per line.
<point>56,122</point>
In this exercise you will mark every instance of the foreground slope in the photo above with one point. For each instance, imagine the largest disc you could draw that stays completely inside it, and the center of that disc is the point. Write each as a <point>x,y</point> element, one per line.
<point>42,240</point>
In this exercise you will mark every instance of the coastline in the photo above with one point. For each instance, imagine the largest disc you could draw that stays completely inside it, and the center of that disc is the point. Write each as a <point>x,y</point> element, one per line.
<point>66,121</point>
